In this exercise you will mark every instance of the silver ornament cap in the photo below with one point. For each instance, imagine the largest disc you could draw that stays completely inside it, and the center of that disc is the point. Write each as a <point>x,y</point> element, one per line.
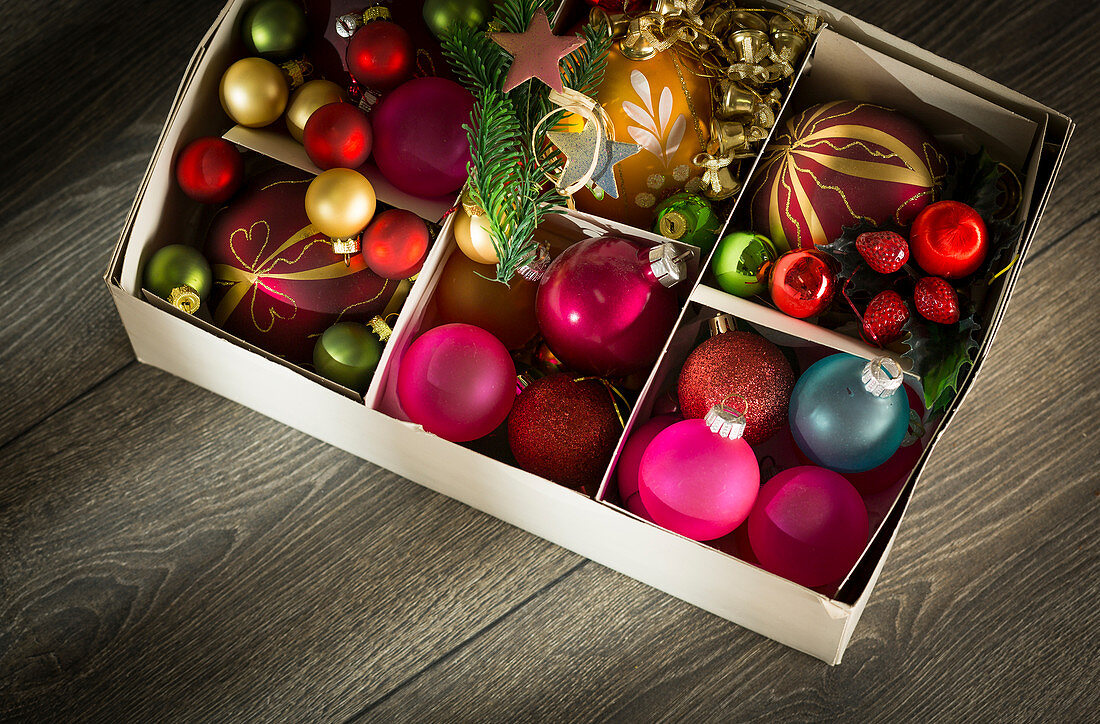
<point>725,421</point>
<point>882,376</point>
<point>667,264</point>
<point>536,265</point>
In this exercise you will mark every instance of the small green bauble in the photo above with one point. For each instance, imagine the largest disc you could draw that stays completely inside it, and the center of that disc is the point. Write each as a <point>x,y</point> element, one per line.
<point>274,29</point>
<point>738,260</point>
<point>442,15</point>
<point>347,354</point>
<point>688,218</point>
<point>179,274</point>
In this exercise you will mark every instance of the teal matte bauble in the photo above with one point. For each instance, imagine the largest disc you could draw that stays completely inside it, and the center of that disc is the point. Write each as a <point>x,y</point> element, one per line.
<point>738,260</point>
<point>347,354</point>
<point>179,274</point>
<point>442,15</point>
<point>274,29</point>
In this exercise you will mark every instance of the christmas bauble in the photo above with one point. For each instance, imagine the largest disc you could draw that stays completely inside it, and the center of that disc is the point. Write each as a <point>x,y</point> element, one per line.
<point>468,292</point>
<point>277,283</point>
<point>619,6</point>
<point>395,244</point>
<point>420,145</point>
<point>809,525</point>
<point>802,283</point>
<point>304,101</point>
<point>844,417</point>
<point>902,462</point>
<point>743,370</point>
<point>179,274</point>
<point>696,482</point>
<point>662,104</point>
<point>565,430</point>
<point>274,29</point>
<point>210,170</point>
<point>738,260</point>
<point>840,163</point>
<point>689,218</point>
<point>340,202</point>
<point>626,471</point>
<point>949,239</point>
<point>472,234</point>
<point>347,353</point>
<point>380,55</point>
<point>601,308</point>
<point>338,135</point>
<point>253,92</point>
<point>457,381</point>
<point>442,15</point>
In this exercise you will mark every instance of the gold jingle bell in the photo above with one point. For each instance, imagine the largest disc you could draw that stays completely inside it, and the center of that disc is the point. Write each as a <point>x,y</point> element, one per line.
<point>634,46</point>
<point>748,20</point>
<point>734,100</point>
<point>727,137</point>
<point>788,44</point>
<point>749,44</point>
<point>782,22</point>
<point>616,23</point>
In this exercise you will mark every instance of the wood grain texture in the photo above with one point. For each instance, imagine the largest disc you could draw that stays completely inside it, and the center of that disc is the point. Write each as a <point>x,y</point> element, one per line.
<point>167,555</point>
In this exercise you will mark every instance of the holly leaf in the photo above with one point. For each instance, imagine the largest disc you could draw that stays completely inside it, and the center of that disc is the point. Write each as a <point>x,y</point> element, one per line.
<point>941,353</point>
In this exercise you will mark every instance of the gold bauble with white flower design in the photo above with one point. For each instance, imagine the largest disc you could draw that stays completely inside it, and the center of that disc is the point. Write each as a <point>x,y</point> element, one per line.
<point>663,105</point>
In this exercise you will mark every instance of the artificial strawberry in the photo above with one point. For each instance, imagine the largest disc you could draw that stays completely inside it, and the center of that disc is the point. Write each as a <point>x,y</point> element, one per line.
<point>884,251</point>
<point>884,318</point>
<point>936,300</point>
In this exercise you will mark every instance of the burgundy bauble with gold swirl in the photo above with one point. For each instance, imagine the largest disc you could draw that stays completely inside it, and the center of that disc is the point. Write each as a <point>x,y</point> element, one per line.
<point>840,163</point>
<point>277,282</point>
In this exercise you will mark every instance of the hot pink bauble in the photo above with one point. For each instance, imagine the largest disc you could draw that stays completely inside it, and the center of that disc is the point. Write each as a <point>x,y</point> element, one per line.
<point>809,525</point>
<point>601,309</point>
<point>626,472</point>
<point>458,381</point>
<point>419,143</point>
<point>697,483</point>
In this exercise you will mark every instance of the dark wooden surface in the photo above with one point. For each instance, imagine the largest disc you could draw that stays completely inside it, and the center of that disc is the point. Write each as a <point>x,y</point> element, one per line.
<point>166,555</point>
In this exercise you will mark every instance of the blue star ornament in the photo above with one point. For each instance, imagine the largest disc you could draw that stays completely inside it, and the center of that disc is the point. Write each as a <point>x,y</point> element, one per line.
<point>579,148</point>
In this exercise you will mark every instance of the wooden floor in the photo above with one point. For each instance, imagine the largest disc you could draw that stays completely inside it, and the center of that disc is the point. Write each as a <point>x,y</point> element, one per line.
<point>166,555</point>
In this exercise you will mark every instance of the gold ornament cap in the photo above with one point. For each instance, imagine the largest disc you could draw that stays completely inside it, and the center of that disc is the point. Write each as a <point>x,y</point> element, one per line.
<point>346,245</point>
<point>185,299</point>
<point>720,324</point>
<point>380,328</point>
<point>673,225</point>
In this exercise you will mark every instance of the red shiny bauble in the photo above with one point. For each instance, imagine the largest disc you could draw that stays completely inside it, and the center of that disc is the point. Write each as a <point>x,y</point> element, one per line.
<point>949,240</point>
<point>277,283</point>
<point>210,170</point>
<point>742,370</point>
<point>395,244</point>
<point>380,55</point>
<point>802,283</point>
<point>565,430</point>
<point>618,6</point>
<point>338,135</point>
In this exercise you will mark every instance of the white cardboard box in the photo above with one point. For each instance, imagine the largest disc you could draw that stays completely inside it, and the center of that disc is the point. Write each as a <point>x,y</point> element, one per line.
<point>853,56</point>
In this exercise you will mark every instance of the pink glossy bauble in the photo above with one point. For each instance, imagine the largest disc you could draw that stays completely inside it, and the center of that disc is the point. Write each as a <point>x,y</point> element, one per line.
<point>457,381</point>
<point>697,483</point>
<point>626,472</point>
<point>809,525</point>
<point>419,143</point>
<point>601,309</point>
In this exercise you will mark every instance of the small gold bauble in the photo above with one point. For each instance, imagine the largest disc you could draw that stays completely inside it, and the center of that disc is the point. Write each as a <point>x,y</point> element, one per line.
<point>473,237</point>
<point>307,99</point>
<point>253,92</point>
<point>340,202</point>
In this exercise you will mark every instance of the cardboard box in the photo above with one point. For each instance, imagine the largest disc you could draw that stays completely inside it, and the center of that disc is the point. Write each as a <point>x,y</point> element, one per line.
<point>850,56</point>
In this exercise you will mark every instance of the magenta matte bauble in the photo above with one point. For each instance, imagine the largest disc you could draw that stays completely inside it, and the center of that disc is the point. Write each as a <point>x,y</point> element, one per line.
<point>457,381</point>
<point>626,472</point>
<point>697,483</point>
<point>809,525</point>
<point>601,309</point>
<point>419,143</point>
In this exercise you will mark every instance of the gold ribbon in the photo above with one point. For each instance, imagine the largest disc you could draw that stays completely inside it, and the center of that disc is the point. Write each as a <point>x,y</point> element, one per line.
<point>613,391</point>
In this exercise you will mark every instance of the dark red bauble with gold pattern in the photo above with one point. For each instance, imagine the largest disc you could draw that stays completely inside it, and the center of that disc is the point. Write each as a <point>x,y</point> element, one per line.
<point>395,244</point>
<point>949,239</point>
<point>565,430</point>
<point>380,55</point>
<point>277,282</point>
<point>210,170</point>
<point>840,163</point>
<point>744,371</point>
<point>338,135</point>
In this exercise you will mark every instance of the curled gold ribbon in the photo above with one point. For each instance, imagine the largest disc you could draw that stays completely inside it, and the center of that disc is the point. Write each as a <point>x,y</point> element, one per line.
<point>615,393</point>
<point>711,165</point>
<point>576,102</point>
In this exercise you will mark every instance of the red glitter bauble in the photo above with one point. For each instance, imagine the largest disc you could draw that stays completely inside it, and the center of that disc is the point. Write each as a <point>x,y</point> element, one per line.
<point>395,244</point>
<point>743,370</point>
<point>210,170</point>
<point>338,135</point>
<point>949,240</point>
<point>565,430</point>
<point>381,55</point>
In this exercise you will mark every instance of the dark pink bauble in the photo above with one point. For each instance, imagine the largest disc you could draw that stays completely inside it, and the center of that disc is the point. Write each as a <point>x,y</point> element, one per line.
<point>626,471</point>
<point>601,309</point>
<point>210,170</point>
<point>419,143</point>
<point>457,381</point>
<point>338,135</point>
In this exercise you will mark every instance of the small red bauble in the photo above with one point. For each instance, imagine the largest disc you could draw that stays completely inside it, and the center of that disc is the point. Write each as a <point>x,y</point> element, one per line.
<point>744,371</point>
<point>210,170</point>
<point>949,240</point>
<point>381,55</point>
<point>802,283</point>
<point>395,244</point>
<point>565,430</point>
<point>338,135</point>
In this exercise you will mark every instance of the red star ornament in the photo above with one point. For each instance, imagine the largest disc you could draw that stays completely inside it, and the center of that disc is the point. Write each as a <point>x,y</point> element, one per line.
<point>536,53</point>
